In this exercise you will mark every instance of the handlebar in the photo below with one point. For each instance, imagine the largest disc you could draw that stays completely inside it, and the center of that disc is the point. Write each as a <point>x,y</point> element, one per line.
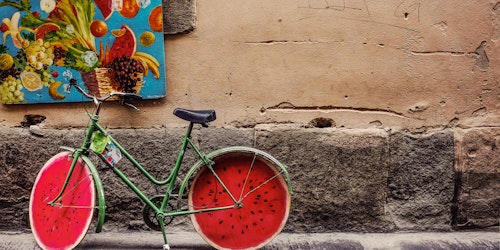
<point>98,100</point>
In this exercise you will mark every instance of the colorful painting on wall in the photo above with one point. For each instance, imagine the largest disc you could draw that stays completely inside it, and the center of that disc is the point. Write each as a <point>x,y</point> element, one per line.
<point>107,45</point>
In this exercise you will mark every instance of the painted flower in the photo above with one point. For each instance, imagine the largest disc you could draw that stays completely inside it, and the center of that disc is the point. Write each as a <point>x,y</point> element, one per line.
<point>47,5</point>
<point>144,3</point>
<point>70,29</point>
<point>90,58</point>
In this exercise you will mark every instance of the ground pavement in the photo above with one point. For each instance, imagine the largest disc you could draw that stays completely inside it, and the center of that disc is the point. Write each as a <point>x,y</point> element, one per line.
<point>190,240</point>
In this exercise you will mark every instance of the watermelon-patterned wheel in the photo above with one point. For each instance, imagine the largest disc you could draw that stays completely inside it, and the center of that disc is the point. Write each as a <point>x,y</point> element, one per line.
<point>261,192</point>
<point>64,224</point>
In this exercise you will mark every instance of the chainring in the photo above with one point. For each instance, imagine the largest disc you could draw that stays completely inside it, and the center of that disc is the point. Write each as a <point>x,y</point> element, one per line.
<point>149,215</point>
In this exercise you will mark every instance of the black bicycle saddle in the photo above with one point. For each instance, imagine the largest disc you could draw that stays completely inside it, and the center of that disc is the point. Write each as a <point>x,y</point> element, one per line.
<point>195,116</point>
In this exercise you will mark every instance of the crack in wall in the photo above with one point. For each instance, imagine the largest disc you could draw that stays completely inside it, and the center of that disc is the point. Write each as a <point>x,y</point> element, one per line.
<point>479,54</point>
<point>290,106</point>
<point>273,42</point>
<point>441,52</point>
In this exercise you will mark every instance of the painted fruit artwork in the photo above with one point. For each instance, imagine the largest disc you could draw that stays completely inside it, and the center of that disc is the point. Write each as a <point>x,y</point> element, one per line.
<point>107,45</point>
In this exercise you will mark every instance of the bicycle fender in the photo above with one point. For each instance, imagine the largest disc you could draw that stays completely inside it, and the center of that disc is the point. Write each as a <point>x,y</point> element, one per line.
<point>194,169</point>
<point>101,206</point>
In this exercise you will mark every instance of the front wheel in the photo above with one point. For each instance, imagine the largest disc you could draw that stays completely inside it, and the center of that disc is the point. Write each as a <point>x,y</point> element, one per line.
<point>262,198</point>
<point>63,224</point>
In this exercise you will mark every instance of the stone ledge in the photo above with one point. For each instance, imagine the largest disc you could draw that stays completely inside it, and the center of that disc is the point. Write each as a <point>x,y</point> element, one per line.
<point>365,180</point>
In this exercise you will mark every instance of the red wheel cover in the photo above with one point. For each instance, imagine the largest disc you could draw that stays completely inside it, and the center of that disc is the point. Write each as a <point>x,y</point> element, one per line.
<point>62,226</point>
<point>264,210</point>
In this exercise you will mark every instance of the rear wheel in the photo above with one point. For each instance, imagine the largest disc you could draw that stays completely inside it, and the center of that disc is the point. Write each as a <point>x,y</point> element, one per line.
<point>63,224</point>
<point>262,201</point>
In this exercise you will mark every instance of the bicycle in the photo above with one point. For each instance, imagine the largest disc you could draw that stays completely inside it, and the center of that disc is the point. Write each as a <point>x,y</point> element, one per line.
<point>237,197</point>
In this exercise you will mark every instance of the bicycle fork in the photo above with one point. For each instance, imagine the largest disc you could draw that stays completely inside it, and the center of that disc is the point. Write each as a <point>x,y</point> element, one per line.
<point>68,177</point>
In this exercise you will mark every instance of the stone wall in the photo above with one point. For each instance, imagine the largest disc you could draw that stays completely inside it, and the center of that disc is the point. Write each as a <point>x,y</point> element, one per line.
<point>361,180</point>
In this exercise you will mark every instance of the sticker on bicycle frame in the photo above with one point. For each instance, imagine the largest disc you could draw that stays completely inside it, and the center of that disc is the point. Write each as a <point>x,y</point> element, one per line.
<point>99,141</point>
<point>107,45</point>
<point>111,154</point>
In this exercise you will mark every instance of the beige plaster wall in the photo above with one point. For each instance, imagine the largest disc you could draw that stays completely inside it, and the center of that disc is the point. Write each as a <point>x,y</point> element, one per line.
<point>363,63</point>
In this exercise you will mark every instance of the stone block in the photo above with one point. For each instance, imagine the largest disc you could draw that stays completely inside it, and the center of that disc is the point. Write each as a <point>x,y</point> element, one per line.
<point>179,16</point>
<point>477,203</point>
<point>421,180</point>
<point>22,154</point>
<point>339,176</point>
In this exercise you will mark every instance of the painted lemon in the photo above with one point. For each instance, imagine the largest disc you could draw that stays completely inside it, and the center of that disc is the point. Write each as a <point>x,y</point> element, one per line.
<point>31,81</point>
<point>147,38</point>
<point>6,61</point>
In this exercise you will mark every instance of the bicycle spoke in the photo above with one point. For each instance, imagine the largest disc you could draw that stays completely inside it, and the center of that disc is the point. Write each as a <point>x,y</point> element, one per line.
<point>70,190</point>
<point>248,176</point>
<point>262,184</point>
<point>59,205</point>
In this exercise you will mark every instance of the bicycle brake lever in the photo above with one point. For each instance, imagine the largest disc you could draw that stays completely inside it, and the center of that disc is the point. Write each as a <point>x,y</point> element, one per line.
<point>130,105</point>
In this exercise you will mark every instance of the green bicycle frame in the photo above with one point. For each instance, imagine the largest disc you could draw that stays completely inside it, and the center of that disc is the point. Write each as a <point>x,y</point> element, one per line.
<point>204,160</point>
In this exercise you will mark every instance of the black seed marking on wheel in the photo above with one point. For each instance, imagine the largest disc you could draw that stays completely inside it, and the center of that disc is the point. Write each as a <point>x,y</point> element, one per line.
<point>242,232</point>
<point>252,212</point>
<point>220,222</point>
<point>239,171</point>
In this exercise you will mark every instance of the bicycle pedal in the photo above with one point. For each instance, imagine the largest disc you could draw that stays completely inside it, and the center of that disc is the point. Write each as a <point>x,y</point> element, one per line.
<point>166,247</point>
